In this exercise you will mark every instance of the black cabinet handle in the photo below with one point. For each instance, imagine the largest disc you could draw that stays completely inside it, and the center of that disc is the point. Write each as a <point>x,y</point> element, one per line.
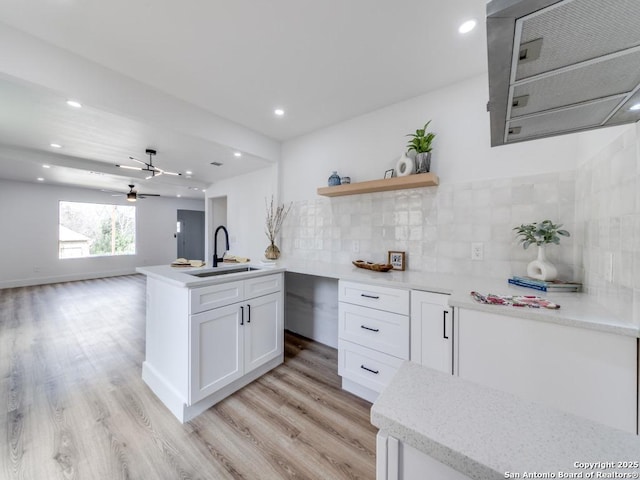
<point>241,315</point>
<point>248,313</point>
<point>369,328</point>
<point>444,325</point>
<point>369,296</point>
<point>369,369</point>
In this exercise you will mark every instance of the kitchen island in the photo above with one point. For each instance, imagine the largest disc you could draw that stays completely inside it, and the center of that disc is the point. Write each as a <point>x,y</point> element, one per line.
<point>210,332</point>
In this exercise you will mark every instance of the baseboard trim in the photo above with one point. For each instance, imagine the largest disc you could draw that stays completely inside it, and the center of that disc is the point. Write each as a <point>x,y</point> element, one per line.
<point>176,403</point>
<point>72,277</point>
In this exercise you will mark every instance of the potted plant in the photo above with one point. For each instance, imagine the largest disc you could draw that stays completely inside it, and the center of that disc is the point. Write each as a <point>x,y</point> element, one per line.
<point>273,224</point>
<point>540,234</point>
<point>421,144</point>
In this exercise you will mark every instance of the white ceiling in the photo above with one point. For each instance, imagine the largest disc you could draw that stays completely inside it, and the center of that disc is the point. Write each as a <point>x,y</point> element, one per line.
<point>199,79</point>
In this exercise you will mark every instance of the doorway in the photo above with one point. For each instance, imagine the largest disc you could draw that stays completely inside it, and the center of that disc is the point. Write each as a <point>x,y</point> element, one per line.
<point>190,234</point>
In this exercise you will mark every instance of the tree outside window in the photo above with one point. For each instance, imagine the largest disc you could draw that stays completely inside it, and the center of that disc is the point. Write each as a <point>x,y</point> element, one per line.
<point>93,229</point>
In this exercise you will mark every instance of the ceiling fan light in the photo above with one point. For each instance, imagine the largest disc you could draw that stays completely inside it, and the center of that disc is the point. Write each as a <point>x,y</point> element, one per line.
<point>131,197</point>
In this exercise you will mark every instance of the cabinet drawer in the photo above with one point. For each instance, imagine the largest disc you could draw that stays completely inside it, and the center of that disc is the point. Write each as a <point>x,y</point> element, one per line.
<point>369,368</point>
<point>258,286</point>
<point>382,298</point>
<point>214,296</point>
<point>384,331</point>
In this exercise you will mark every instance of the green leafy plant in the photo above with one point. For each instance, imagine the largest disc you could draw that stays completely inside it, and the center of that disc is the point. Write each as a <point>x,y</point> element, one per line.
<point>421,140</point>
<point>540,233</point>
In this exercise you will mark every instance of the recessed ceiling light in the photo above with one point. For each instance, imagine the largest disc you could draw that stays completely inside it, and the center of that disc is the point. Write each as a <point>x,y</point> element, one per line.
<point>46,166</point>
<point>40,179</point>
<point>279,112</point>
<point>178,195</point>
<point>635,107</point>
<point>237,154</point>
<point>55,145</point>
<point>188,172</point>
<point>74,104</point>
<point>467,26</point>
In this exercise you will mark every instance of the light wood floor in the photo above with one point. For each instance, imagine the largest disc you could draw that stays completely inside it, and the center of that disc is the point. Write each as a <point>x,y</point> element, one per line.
<point>73,405</point>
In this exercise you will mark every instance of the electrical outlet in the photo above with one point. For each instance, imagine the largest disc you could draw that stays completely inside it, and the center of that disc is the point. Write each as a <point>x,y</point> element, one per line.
<point>355,246</point>
<point>477,251</point>
<point>608,267</point>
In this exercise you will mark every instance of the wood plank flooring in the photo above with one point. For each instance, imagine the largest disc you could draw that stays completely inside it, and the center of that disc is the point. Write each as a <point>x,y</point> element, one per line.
<point>73,404</point>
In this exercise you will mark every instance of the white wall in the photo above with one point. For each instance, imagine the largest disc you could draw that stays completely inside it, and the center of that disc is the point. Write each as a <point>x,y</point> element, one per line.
<point>245,212</point>
<point>364,147</point>
<point>29,241</point>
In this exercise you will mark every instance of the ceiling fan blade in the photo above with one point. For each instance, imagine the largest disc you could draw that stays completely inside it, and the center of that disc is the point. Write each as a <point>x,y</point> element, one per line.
<point>129,167</point>
<point>172,173</point>
<point>139,161</point>
<point>145,195</point>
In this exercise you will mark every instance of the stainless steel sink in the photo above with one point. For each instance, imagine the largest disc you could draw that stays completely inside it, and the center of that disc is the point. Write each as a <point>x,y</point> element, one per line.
<point>223,271</point>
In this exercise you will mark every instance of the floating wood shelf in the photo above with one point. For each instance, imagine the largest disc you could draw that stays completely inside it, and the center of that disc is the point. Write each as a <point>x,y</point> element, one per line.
<point>397,183</point>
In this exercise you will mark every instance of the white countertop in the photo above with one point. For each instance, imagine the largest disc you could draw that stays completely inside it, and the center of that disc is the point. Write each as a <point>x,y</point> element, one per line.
<point>577,309</point>
<point>183,276</point>
<point>484,433</point>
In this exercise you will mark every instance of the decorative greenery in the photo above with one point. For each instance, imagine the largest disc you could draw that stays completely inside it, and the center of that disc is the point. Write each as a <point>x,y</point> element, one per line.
<point>540,233</point>
<point>275,217</point>
<point>421,140</point>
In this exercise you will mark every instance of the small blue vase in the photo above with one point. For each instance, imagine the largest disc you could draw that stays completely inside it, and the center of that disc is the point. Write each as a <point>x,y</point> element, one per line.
<point>334,179</point>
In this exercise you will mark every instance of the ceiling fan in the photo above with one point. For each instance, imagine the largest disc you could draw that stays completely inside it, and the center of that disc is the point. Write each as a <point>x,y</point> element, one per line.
<point>148,167</point>
<point>132,195</point>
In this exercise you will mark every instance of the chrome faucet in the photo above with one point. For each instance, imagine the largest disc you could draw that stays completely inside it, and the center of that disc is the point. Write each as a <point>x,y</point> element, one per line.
<point>215,244</point>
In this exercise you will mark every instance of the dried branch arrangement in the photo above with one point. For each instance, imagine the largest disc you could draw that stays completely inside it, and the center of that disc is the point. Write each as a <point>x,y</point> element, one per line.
<point>275,217</point>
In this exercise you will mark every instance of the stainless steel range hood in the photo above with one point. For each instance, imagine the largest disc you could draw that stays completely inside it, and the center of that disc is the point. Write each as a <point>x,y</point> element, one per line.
<point>558,67</point>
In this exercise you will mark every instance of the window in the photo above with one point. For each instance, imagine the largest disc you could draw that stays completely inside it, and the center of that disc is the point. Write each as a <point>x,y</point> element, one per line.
<point>93,229</point>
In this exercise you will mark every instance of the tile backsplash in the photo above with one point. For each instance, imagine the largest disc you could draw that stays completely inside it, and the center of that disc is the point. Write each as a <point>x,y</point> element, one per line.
<point>608,221</point>
<point>436,226</point>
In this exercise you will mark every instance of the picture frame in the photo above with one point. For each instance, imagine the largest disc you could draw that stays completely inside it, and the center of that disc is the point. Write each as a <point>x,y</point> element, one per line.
<point>389,173</point>
<point>397,260</point>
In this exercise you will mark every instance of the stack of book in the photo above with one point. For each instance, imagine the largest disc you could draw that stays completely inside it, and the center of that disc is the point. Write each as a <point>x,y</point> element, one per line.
<point>545,286</point>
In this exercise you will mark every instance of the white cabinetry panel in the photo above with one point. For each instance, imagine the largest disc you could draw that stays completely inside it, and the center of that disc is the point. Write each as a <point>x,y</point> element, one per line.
<point>214,296</point>
<point>589,373</point>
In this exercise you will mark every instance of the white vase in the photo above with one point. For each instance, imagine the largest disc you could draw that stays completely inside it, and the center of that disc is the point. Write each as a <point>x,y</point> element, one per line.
<point>541,268</point>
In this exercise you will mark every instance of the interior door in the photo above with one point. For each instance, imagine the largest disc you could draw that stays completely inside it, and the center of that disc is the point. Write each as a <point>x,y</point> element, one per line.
<point>190,234</point>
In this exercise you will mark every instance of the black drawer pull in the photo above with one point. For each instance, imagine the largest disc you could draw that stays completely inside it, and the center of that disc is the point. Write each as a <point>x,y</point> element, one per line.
<point>241,315</point>
<point>369,370</point>
<point>444,325</point>
<point>248,313</point>
<point>369,296</point>
<point>369,328</point>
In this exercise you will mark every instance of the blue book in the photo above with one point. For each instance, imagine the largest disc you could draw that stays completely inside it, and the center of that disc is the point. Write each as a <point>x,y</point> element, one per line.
<point>519,283</point>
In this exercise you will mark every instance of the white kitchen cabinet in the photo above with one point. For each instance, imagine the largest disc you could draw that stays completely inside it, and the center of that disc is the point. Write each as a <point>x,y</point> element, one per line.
<point>263,330</point>
<point>396,460</point>
<point>581,371</point>
<point>217,350</point>
<point>373,336</point>
<point>432,330</point>
<point>204,343</point>
<point>229,342</point>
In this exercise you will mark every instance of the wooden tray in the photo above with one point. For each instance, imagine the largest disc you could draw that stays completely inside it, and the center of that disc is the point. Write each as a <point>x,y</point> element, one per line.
<point>376,267</point>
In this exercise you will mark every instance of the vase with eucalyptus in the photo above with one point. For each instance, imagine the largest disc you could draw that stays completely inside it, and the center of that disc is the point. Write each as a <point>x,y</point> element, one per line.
<point>541,234</point>
<point>275,217</point>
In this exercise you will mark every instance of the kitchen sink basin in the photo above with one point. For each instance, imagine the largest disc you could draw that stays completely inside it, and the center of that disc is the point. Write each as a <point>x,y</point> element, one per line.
<point>223,271</point>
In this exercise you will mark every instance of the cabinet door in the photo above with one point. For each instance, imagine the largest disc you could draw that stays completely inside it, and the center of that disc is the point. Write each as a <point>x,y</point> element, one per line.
<point>431,330</point>
<point>263,330</point>
<point>585,372</point>
<point>216,350</point>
